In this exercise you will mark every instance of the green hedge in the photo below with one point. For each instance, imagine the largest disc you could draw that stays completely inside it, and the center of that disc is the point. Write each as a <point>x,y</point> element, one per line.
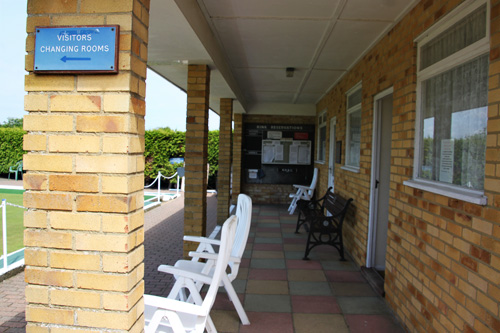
<point>161,145</point>
<point>164,143</point>
<point>11,147</point>
<point>213,158</point>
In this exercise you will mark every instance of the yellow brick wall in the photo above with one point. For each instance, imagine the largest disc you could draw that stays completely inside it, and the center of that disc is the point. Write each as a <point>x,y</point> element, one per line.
<point>84,183</point>
<point>225,159</point>
<point>443,255</point>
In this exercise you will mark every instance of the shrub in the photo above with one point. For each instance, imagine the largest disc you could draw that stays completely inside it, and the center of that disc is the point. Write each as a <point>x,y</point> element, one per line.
<point>213,158</point>
<point>11,147</point>
<point>164,143</point>
<point>161,145</point>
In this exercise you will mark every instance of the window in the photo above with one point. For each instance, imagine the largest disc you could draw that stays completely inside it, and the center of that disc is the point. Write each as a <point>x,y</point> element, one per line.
<point>452,101</point>
<point>353,135</point>
<point>321,152</point>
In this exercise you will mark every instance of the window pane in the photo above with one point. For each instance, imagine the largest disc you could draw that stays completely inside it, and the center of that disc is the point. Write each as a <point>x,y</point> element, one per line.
<point>354,99</point>
<point>354,138</point>
<point>322,143</point>
<point>454,126</point>
<point>464,33</point>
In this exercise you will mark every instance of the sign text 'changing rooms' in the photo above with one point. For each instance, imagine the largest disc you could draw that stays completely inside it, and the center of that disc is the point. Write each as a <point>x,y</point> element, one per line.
<point>76,49</point>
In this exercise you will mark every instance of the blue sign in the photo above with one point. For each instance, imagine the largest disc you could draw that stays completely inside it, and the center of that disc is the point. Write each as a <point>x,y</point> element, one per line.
<point>76,49</point>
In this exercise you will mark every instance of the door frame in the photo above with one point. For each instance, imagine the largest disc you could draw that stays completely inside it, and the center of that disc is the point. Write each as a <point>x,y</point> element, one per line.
<point>372,220</point>
<point>331,151</point>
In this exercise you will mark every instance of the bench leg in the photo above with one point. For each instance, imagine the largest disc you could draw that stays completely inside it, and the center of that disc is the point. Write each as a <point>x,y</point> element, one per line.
<point>298,222</point>
<point>341,247</point>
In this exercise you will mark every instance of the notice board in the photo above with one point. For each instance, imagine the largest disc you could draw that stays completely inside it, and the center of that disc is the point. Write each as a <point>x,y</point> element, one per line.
<point>278,153</point>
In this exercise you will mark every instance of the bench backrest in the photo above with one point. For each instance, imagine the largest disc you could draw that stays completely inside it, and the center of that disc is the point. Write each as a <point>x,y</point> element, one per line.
<point>336,205</point>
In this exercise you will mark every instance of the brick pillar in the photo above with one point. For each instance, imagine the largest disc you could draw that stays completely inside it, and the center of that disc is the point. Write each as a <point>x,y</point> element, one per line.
<point>195,195</point>
<point>84,182</point>
<point>225,160</point>
<point>237,143</point>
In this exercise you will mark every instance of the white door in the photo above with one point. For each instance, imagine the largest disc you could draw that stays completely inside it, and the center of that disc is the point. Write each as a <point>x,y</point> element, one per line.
<point>381,166</point>
<point>331,158</point>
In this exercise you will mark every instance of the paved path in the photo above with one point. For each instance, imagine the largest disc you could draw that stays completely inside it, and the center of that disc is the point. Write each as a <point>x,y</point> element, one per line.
<point>164,228</point>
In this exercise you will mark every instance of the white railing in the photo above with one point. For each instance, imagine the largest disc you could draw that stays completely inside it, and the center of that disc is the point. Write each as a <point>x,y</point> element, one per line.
<point>4,258</point>
<point>158,178</point>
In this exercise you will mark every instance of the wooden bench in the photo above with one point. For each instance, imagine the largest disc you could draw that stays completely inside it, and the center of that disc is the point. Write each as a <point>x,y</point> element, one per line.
<point>323,218</point>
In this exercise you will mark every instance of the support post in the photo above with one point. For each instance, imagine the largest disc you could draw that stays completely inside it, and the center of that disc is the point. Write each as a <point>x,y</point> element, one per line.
<point>225,160</point>
<point>84,182</point>
<point>196,153</point>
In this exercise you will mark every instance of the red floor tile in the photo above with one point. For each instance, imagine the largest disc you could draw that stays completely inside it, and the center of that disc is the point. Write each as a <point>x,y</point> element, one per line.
<point>276,229</point>
<point>268,322</point>
<point>222,301</point>
<point>294,241</point>
<point>314,304</point>
<point>245,262</point>
<point>303,264</point>
<point>268,247</point>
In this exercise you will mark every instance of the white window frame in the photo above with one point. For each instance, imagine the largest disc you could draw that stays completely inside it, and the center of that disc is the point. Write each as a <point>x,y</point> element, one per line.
<point>321,124</point>
<point>349,111</point>
<point>468,53</point>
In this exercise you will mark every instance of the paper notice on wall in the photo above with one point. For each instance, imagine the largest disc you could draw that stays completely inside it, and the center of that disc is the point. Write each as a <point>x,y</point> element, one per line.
<point>267,153</point>
<point>446,161</point>
<point>278,151</point>
<point>293,154</point>
<point>304,154</point>
<point>276,135</point>
<point>252,173</point>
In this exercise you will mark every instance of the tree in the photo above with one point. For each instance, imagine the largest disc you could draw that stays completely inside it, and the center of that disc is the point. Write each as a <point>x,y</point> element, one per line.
<point>12,122</point>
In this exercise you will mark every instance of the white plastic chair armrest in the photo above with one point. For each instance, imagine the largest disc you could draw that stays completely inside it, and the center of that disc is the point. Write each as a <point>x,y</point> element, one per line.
<point>184,273</point>
<point>203,255</point>
<point>303,187</point>
<point>173,305</point>
<point>202,240</point>
<point>212,256</point>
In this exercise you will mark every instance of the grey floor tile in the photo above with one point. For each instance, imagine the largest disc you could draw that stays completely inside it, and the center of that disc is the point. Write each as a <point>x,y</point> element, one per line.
<point>268,303</point>
<point>363,305</point>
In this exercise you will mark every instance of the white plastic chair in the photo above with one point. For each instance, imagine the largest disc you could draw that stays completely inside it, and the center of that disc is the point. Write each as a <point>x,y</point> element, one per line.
<point>206,251</point>
<point>167,315</point>
<point>303,192</point>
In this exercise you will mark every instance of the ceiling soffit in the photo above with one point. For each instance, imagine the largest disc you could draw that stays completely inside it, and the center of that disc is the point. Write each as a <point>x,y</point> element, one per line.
<point>249,44</point>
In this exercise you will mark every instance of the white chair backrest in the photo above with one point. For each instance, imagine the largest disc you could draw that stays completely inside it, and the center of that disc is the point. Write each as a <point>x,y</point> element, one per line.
<point>244,214</point>
<point>227,240</point>
<point>310,192</point>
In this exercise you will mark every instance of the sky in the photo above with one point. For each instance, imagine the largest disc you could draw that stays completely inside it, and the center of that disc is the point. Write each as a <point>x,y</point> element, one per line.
<point>165,103</point>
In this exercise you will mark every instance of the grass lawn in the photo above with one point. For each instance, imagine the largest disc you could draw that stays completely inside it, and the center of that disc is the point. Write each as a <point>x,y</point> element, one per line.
<point>15,215</point>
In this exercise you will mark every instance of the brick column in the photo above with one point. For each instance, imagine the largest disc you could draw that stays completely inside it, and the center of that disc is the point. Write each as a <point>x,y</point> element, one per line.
<point>84,182</point>
<point>195,195</point>
<point>225,160</point>
<point>237,144</point>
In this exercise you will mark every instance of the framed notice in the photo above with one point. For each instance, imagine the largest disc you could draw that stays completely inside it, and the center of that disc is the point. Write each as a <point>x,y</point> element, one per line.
<point>286,152</point>
<point>76,49</point>
<point>446,161</point>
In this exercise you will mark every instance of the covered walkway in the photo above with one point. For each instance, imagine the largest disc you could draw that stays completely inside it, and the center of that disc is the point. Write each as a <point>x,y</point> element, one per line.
<point>280,291</point>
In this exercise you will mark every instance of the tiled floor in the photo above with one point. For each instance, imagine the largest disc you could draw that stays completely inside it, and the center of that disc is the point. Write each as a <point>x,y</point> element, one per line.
<point>283,293</point>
